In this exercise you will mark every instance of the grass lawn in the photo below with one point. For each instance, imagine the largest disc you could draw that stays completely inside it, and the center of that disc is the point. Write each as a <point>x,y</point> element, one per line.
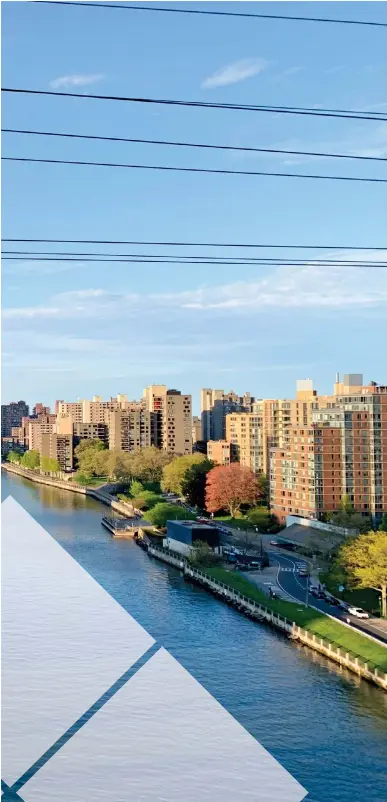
<point>94,481</point>
<point>367,598</point>
<point>318,623</point>
<point>243,522</point>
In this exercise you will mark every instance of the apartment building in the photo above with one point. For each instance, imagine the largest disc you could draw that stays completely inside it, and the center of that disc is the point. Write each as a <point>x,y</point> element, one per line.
<point>342,453</point>
<point>215,405</point>
<point>129,430</point>
<point>219,452</point>
<point>11,416</point>
<point>59,447</point>
<point>196,429</point>
<point>173,422</point>
<point>246,436</point>
<point>89,431</point>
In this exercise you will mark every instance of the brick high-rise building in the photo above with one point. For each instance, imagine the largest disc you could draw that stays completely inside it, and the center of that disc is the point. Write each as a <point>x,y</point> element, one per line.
<point>11,415</point>
<point>174,418</point>
<point>342,453</point>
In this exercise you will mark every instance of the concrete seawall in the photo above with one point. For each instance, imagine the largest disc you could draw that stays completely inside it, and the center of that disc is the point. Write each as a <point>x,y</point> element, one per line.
<point>97,493</point>
<point>259,612</point>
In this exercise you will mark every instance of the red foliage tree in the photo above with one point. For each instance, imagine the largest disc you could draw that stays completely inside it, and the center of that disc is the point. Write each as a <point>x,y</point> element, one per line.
<point>230,486</point>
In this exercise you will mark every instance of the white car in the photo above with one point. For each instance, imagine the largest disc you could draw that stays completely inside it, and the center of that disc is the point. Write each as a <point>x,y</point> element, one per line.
<point>357,612</point>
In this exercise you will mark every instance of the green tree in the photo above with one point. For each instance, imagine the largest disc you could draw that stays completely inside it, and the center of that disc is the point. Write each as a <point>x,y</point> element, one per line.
<point>82,478</point>
<point>259,516</point>
<point>30,460</point>
<point>364,559</point>
<point>383,524</point>
<point>50,465</point>
<point>194,483</point>
<point>90,457</point>
<point>136,489</point>
<point>146,500</point>
<point>118,466</point>
<point>147,463</point>
<point>202,555</point>
<point>162,513</point>
<point>174,473</point>
<point>346,504</point>
<point>14,457</point>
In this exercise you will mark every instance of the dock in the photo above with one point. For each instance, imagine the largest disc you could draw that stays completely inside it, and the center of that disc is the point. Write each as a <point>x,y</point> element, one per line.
<point>119,527</point>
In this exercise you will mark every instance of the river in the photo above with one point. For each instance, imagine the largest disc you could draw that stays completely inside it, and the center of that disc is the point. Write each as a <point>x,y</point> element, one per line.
<point>326,727</point>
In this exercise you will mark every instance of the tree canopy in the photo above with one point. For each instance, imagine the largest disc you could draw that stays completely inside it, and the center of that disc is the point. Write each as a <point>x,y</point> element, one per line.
<point>364,559</point>
<point>49,465</point>
<point>228,487</point>
<point>30,460</point>
<point>15,457</point>
<point>174,473</point>
<point>147,463</point>
<point>162,513</point>
<point>91,457</point>
<point>194,483</point>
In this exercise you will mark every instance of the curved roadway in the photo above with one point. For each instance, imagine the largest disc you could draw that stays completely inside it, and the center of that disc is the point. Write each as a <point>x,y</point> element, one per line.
<point>289,581</point>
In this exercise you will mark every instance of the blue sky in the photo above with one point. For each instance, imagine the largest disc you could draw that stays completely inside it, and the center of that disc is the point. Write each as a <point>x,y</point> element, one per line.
<point>72,330</point>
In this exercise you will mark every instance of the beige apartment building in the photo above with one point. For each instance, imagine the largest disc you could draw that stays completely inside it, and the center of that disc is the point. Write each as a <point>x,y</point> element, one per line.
<point>173,429</point>
<point>215,405</point>
<point>219,451</point>
<point>245,434</point>
<point>196,429</point>
<point>59,447</point>
<point>130,430</point>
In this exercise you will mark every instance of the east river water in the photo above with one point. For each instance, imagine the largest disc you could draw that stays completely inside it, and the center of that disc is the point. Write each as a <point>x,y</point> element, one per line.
<point>326,727</point>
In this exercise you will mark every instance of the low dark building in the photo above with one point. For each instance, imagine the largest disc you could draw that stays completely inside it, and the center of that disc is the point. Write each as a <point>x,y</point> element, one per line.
<point>181,536</point>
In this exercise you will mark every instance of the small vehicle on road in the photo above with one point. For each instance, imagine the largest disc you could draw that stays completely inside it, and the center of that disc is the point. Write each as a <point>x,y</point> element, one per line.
<point>358,612</point>
<point>303,572</point>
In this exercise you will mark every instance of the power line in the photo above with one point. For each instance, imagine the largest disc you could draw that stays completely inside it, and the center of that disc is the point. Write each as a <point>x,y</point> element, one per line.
<point>282,263</point>
<point>191,144</point>
<point>164,168</point>
<point>191,259</point>
<point>341,113</point>
<point>198,244</point>
<point>218,13</point>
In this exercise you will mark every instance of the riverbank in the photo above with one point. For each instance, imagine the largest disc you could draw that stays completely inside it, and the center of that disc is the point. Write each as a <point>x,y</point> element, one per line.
<point>349,649</point>
<point>97,493</point>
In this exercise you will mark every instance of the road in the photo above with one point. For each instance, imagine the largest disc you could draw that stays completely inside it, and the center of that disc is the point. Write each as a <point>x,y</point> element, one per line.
<point>294,586</point>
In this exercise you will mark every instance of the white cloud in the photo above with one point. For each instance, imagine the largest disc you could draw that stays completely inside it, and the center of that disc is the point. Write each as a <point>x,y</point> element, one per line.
<point>75,80</point>
<point>236,72</point>
<point>288,73</point>
<point>302,286</point>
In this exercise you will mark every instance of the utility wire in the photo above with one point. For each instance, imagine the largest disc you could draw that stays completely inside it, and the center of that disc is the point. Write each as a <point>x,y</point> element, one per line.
<point>347,114</point>
<point>165,168</point>
<point>198,244</point>
<point>280,263</point>
<point>217,13</point>
<point>194,259</point>
<point>191,144</point>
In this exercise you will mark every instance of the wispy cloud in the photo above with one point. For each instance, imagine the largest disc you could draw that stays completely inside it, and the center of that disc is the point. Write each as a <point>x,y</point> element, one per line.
<point>288,73</point>
<point>75,80</point>
<point>303,286</point>
<point>236,72</point>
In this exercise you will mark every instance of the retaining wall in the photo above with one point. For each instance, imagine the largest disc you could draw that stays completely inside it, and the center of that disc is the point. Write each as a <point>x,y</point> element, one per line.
<point>73,487</point>
<point>350,661</point>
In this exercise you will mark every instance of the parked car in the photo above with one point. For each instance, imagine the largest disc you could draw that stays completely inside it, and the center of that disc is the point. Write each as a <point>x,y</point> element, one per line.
<point>358,612</point>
